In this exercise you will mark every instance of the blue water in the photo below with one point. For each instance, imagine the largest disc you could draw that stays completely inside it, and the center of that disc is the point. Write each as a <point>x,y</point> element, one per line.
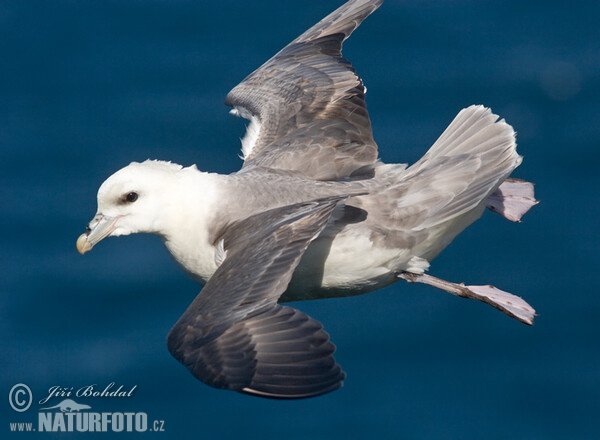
<point>87,87</point>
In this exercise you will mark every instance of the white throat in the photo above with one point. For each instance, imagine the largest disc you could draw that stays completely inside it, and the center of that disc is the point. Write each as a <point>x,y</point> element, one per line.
<point>187,235</point>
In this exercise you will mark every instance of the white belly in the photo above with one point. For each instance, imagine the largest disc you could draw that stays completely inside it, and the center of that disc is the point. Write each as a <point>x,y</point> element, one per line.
<point>348,265</point>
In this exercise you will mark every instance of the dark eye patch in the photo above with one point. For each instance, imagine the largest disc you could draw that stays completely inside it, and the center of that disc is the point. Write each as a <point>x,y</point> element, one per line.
<point>131,197</point>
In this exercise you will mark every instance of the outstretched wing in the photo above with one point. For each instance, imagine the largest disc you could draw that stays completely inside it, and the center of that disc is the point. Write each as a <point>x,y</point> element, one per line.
<point>306,105</point>
<point>235,336</point>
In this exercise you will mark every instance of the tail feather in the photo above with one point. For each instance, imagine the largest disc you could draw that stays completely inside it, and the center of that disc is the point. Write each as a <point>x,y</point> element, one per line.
<point>423,207</point>
<point>469,161</point>
<point>475,128</point>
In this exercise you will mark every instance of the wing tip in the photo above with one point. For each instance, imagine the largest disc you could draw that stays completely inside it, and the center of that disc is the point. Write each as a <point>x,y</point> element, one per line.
<point>343,20</point>
<point>294,392</point>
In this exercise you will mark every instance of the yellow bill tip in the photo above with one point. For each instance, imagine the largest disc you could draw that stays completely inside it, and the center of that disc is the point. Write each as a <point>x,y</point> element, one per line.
<point>83,245</point>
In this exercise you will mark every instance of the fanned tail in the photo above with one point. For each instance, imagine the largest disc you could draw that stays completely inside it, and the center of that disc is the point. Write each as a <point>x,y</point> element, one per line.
<point>468,162</point>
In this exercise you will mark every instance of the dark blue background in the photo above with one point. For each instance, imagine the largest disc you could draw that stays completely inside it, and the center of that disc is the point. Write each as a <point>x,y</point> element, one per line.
<point>87,87</point>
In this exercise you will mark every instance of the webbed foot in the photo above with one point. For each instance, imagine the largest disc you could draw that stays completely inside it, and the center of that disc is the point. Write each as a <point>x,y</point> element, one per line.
<point>508,303</point>
<point>512,199</point>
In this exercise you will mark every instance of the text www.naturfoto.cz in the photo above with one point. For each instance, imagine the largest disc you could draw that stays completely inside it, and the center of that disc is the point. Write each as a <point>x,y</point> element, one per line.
<point>21,427</point>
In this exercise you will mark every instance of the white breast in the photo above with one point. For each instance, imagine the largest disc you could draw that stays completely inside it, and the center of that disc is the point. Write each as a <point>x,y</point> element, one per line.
<point>187,235</point>
<point>195,255</point>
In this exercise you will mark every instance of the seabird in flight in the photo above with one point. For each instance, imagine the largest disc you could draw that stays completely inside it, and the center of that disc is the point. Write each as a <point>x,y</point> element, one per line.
<point>313,213</point>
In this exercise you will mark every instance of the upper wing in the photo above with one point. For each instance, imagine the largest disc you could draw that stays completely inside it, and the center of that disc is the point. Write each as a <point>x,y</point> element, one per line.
<point>307,105</point>
<point>235,336</point>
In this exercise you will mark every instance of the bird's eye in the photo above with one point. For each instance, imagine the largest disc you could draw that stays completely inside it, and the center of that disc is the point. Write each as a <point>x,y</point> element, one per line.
<point>131,197</point>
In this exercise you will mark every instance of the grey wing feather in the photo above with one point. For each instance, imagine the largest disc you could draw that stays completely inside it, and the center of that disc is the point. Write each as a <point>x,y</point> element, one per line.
<point>307,105</point>
<point>291,355</point>
<point>235,336</point>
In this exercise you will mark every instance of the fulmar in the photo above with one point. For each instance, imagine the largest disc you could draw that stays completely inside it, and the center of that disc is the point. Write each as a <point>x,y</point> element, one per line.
<point>313,213</point>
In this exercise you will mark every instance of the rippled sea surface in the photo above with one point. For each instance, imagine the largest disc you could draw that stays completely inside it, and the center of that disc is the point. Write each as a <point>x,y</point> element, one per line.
<point>87,87</point>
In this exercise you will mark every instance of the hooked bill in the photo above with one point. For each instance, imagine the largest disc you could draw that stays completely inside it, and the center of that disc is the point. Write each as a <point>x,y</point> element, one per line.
<point>83,245</point>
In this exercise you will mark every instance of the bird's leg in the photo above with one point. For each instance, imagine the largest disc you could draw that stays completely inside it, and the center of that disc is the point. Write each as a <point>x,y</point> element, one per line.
<point>510,304</point>
<point>512,199</point>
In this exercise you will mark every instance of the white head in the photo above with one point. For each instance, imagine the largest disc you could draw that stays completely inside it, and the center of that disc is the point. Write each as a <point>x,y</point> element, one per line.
<point>134,199</point>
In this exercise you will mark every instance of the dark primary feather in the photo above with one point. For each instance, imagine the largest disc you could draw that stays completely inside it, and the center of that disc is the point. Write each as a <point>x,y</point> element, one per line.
<point>311,104</point>
<point>235,336</point>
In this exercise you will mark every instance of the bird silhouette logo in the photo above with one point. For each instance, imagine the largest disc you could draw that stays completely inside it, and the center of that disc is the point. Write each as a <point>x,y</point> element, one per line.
<point>68,405</point>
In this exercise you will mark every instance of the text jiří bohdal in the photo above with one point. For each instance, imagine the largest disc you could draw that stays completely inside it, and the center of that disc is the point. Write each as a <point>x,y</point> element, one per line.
<point>89,391</point>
